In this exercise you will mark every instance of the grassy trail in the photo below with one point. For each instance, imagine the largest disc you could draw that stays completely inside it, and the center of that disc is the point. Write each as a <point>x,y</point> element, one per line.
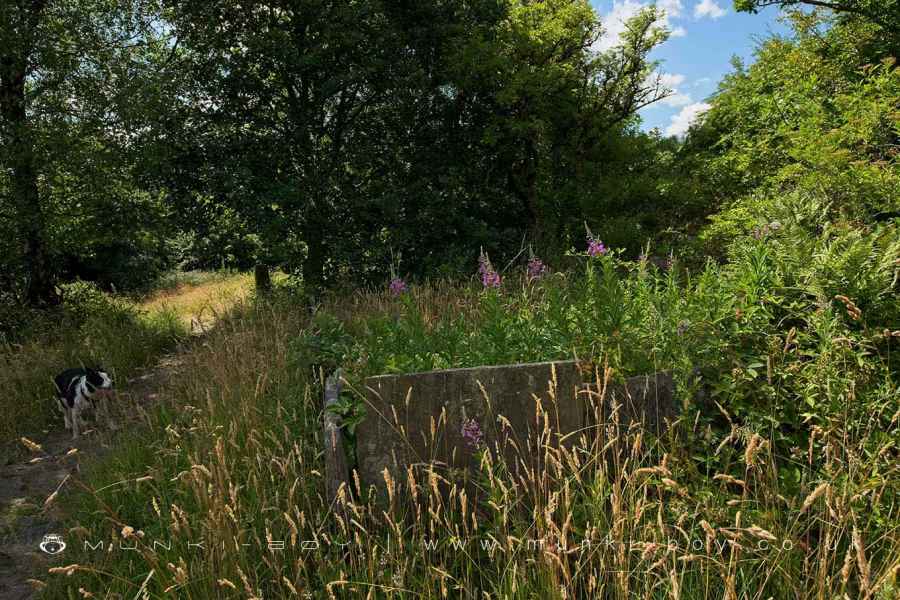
<point>30,484</point>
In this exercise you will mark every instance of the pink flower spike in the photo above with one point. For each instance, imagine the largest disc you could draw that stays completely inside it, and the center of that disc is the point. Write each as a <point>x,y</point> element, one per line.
<point>596,247</point>
<point>397,286</point>
<point>472,433</point>
<point>536,269</point>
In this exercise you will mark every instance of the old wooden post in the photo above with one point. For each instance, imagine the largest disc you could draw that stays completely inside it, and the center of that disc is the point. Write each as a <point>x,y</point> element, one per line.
<point>336,470</point>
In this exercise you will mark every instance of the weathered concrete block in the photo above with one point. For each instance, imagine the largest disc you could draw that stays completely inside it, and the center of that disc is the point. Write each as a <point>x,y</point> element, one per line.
<point>418,418</point>
<point>647,399</point>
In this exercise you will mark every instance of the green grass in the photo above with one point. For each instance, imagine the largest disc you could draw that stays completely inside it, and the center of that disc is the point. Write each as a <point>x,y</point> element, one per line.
<point>129,342</point>
<point>197,298</point>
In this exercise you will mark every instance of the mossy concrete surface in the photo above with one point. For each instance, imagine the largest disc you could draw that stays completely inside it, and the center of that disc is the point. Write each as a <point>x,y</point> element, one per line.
<point>443,418</point>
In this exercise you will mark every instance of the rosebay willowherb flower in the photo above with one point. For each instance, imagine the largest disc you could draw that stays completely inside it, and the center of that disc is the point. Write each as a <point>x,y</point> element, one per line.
<point>397,286</point>
<point>536,268</point>
<point>484,263</point>
<point>596,247</point>
<point>472,433</point>
<point>489,277</point>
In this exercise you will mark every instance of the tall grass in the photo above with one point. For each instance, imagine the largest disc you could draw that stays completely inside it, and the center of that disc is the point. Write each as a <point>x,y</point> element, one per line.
<point>783,483</point>
<point>94,329</point>
<point>714,510</point>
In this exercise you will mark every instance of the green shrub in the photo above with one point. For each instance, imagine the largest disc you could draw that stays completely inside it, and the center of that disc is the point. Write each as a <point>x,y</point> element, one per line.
<point>773,331</point>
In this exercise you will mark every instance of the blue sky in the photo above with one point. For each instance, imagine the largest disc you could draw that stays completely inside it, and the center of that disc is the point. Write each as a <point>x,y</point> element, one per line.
<point>707,33</point>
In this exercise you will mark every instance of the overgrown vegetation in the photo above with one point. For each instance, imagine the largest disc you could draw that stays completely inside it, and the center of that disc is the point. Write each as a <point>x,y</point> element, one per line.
<point>788,489</point>
<point>757,259</point>
<point>95,328</point>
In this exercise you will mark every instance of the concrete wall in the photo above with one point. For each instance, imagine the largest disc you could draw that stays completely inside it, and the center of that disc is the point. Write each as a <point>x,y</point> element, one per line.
<point>417,418</point>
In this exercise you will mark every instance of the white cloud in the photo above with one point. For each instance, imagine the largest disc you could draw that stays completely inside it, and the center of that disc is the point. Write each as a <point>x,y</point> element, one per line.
<point>672,10</point>
<point>708,8</point>
<point>672,7</point>
<point>677,99</point>
<point>671,80</point>
<point>614,23</point>
<point>684,119</point>
<point>622,10</point>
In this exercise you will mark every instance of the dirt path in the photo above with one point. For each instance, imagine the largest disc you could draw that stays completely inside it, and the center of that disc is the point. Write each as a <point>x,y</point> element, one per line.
<point>28,487</point>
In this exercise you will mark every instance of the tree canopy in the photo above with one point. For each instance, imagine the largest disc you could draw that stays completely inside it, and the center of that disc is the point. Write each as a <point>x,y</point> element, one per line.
<point>325,137</point>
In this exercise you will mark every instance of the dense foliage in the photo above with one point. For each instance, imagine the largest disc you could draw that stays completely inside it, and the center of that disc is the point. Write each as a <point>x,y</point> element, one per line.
<point>782,483</point>
<point>396,145</point>
<point>325,138</point>
<point>816,118</point>
<point>314,136</point>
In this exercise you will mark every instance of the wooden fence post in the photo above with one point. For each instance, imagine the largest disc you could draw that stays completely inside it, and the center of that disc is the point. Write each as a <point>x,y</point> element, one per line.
<point>336,469</point>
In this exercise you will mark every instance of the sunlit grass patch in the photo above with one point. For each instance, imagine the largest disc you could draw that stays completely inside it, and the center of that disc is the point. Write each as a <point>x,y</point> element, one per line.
<point>198,299</point>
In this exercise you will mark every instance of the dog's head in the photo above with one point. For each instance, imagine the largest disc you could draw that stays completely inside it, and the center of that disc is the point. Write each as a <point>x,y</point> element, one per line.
<point>99,379</point>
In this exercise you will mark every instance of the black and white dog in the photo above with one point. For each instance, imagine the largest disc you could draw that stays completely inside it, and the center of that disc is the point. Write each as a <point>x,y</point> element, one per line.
<point>76,390</point>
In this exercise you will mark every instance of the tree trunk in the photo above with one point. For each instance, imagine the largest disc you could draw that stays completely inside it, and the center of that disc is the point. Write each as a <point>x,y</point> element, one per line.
<point>30,218</point>
<point>314,265</point>
<point>523,179</point>
<point>39,285</point>
<point>262,278</point>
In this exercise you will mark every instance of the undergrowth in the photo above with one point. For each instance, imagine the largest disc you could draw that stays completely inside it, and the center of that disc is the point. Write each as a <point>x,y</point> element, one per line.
<point>784,486</point>
<point>91,329</point>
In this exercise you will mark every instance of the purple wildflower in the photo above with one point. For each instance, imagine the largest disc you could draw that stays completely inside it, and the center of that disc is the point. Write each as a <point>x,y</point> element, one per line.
<point>472,433</point>
<point>596,247</point>
<point>489,277</point>
<point>397,286</point>
<point>484,264</point>
<point>536,268</point>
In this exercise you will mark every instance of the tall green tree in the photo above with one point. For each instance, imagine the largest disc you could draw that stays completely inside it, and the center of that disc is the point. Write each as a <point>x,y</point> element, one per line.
<point>885,13</point>
<point>335,132</point>
<point>288,89</point>
<point>556,105</point>
<point>70,73</point>
<point>816,115</point>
